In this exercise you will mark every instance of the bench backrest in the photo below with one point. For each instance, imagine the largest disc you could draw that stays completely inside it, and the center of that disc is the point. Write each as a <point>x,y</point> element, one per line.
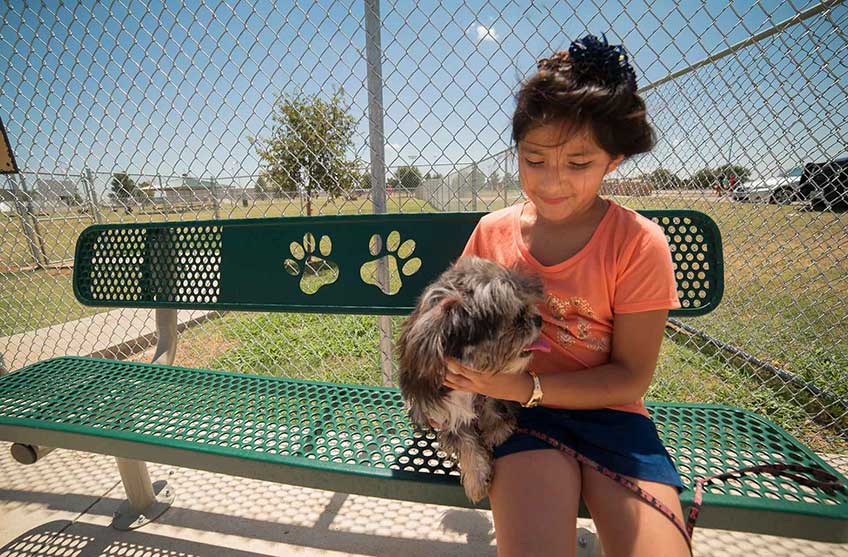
<point>372,264</point>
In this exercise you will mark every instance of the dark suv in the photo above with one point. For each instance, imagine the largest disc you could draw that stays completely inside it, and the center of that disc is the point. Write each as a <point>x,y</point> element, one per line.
<point>825,184</point>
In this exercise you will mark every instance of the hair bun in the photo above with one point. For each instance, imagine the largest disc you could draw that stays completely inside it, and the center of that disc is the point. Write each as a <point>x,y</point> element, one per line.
<point>598,61</point>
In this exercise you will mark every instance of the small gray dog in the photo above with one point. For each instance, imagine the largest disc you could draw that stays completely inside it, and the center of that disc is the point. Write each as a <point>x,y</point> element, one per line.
<point>485,316</point>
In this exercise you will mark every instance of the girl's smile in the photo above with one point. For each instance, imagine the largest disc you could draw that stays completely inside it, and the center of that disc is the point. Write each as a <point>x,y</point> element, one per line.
<point>562,178</point>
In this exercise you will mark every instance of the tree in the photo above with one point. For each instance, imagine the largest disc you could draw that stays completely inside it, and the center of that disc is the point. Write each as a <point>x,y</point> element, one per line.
<point>123,187</point>
<point>365,180</point>
<point>703,179</point>
<point>708,177</point>
<point>663,179</point>
<point>727,170</point>
<point>306,150</point>
<point>408,177</point>
<point>261,185</point>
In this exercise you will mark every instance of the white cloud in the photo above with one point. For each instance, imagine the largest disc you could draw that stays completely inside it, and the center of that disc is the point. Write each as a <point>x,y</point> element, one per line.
<point>483,33</point>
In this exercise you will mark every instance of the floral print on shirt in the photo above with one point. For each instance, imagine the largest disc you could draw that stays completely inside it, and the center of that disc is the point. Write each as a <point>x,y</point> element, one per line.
<point>575,328</point>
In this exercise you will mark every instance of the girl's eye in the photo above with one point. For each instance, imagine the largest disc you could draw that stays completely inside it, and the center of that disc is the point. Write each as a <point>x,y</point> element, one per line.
<point>534,163</point>
<point>584,165</point>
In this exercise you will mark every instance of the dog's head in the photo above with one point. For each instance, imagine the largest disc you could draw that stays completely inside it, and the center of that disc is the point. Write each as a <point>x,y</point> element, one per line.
<point>480,313</point>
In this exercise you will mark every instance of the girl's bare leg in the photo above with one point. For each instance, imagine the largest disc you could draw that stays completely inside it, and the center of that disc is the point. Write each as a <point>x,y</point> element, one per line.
<point>534,498</point>
<point>626,524</point>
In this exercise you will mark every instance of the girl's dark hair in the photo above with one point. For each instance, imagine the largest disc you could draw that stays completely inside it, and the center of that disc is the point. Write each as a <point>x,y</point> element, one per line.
<point>589,86</point>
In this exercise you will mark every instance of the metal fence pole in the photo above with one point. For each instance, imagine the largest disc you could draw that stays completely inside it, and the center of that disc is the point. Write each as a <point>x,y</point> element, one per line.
<point>23,205</point>
<point>213,185</point>
<point>713,58</point>
<point>475,185</point>
<point>376,139</point>
<point>88,185</point>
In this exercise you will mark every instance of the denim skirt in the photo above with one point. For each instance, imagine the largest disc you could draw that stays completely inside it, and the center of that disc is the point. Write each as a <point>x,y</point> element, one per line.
<point>624,442</point>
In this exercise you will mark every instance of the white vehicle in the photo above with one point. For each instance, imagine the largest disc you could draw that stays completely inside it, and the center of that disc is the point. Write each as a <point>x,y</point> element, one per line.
<point>782,189</point>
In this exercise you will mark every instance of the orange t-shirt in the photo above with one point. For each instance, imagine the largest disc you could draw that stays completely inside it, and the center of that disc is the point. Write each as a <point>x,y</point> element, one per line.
<point>626,267</point>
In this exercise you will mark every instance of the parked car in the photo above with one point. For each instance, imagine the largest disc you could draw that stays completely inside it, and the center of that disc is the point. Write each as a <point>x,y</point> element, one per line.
<point>782,189</point>
<point>825,185</point>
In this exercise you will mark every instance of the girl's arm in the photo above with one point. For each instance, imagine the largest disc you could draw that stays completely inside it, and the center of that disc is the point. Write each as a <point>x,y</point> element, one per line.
<point>636,339</point>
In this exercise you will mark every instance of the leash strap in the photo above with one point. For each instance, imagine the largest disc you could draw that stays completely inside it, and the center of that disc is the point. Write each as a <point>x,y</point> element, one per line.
<point>821,479</point>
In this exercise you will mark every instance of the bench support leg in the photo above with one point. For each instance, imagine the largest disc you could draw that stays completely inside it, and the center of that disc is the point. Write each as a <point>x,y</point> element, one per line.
<point>588,544</point>
<point>166,333</point>
<point>145,504</point>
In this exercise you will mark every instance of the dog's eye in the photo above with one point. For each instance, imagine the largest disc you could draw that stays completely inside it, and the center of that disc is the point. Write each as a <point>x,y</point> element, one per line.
<point>537,320</point>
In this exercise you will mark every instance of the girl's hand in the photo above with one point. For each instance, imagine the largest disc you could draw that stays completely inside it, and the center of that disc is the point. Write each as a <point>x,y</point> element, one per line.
<point>503,386</point>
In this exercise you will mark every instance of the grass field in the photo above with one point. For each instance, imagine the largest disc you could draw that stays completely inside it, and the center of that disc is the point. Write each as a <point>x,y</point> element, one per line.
<point>345,349</point>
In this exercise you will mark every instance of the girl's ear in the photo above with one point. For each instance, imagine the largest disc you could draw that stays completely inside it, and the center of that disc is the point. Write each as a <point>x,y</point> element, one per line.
<point>613,164</point>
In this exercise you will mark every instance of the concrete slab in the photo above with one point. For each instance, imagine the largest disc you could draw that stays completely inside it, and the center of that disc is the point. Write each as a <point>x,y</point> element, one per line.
<point>56,489</point>
<point>63,506</point>
<point>110,334</point>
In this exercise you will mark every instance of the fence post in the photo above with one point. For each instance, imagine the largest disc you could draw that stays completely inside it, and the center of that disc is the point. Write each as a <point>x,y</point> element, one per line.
<point>376,138</point>
<point>23,205</point>
<point>213,184</point>
<point>503,179</point>
<point>88,185</point>
<point>475,185</point>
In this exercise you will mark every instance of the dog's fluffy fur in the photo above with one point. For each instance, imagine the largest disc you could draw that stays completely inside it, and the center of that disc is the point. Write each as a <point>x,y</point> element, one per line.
<point>485,316</point>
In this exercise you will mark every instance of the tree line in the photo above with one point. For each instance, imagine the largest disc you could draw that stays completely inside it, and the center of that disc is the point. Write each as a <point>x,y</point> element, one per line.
<point>307,152</point>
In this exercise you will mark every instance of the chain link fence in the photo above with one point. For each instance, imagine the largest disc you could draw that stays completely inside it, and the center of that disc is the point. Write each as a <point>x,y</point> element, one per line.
<point>124,112</point>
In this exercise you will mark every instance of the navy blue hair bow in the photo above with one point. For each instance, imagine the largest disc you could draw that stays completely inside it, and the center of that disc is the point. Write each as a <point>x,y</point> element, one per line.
<point>590,58</point>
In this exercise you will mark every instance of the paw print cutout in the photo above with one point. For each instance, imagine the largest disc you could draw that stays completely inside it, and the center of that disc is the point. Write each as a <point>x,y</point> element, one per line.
<point>314,270</point>
<point>387,272</point>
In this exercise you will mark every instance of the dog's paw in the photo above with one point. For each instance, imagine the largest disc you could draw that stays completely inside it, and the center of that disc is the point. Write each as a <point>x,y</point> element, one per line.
<point>314,271</point>
<point>397,255</point>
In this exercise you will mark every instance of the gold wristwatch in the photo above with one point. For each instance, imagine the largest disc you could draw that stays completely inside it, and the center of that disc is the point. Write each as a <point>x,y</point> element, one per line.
<point>536,397</point>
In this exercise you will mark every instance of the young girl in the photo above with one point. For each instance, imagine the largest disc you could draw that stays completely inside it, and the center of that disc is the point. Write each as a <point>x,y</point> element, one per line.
<point>609,284</point>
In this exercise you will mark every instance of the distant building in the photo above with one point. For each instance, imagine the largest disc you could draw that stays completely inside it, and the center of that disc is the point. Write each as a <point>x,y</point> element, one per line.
<point>53,194</point>
<point>188,190</point>
<point>7,202</point>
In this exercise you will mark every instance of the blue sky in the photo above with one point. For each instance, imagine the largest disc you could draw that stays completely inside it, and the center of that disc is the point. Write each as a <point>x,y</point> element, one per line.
<point>161,88</point>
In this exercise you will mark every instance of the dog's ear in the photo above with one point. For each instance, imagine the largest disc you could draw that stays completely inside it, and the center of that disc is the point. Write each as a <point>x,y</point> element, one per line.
<point>422,347</point>
<point>447,304</point>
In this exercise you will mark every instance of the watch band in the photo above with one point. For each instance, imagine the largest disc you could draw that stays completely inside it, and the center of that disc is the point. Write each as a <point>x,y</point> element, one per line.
<point>536,397</point>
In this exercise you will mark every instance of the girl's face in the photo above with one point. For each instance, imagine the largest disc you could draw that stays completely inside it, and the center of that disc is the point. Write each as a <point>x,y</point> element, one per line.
<point>562,178</point>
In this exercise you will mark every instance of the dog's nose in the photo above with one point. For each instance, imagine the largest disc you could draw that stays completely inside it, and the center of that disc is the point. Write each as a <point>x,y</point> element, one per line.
<point>537,319</point>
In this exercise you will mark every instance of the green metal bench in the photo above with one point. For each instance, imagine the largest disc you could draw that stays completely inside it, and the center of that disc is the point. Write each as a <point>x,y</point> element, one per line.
<point>349,438</point>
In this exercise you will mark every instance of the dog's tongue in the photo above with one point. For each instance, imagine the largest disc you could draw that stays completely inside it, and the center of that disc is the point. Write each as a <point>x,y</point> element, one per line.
<point>539,344</point>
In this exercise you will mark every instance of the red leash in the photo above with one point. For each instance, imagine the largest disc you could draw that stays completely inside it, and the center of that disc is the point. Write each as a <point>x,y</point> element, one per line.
<point>821,479</point>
